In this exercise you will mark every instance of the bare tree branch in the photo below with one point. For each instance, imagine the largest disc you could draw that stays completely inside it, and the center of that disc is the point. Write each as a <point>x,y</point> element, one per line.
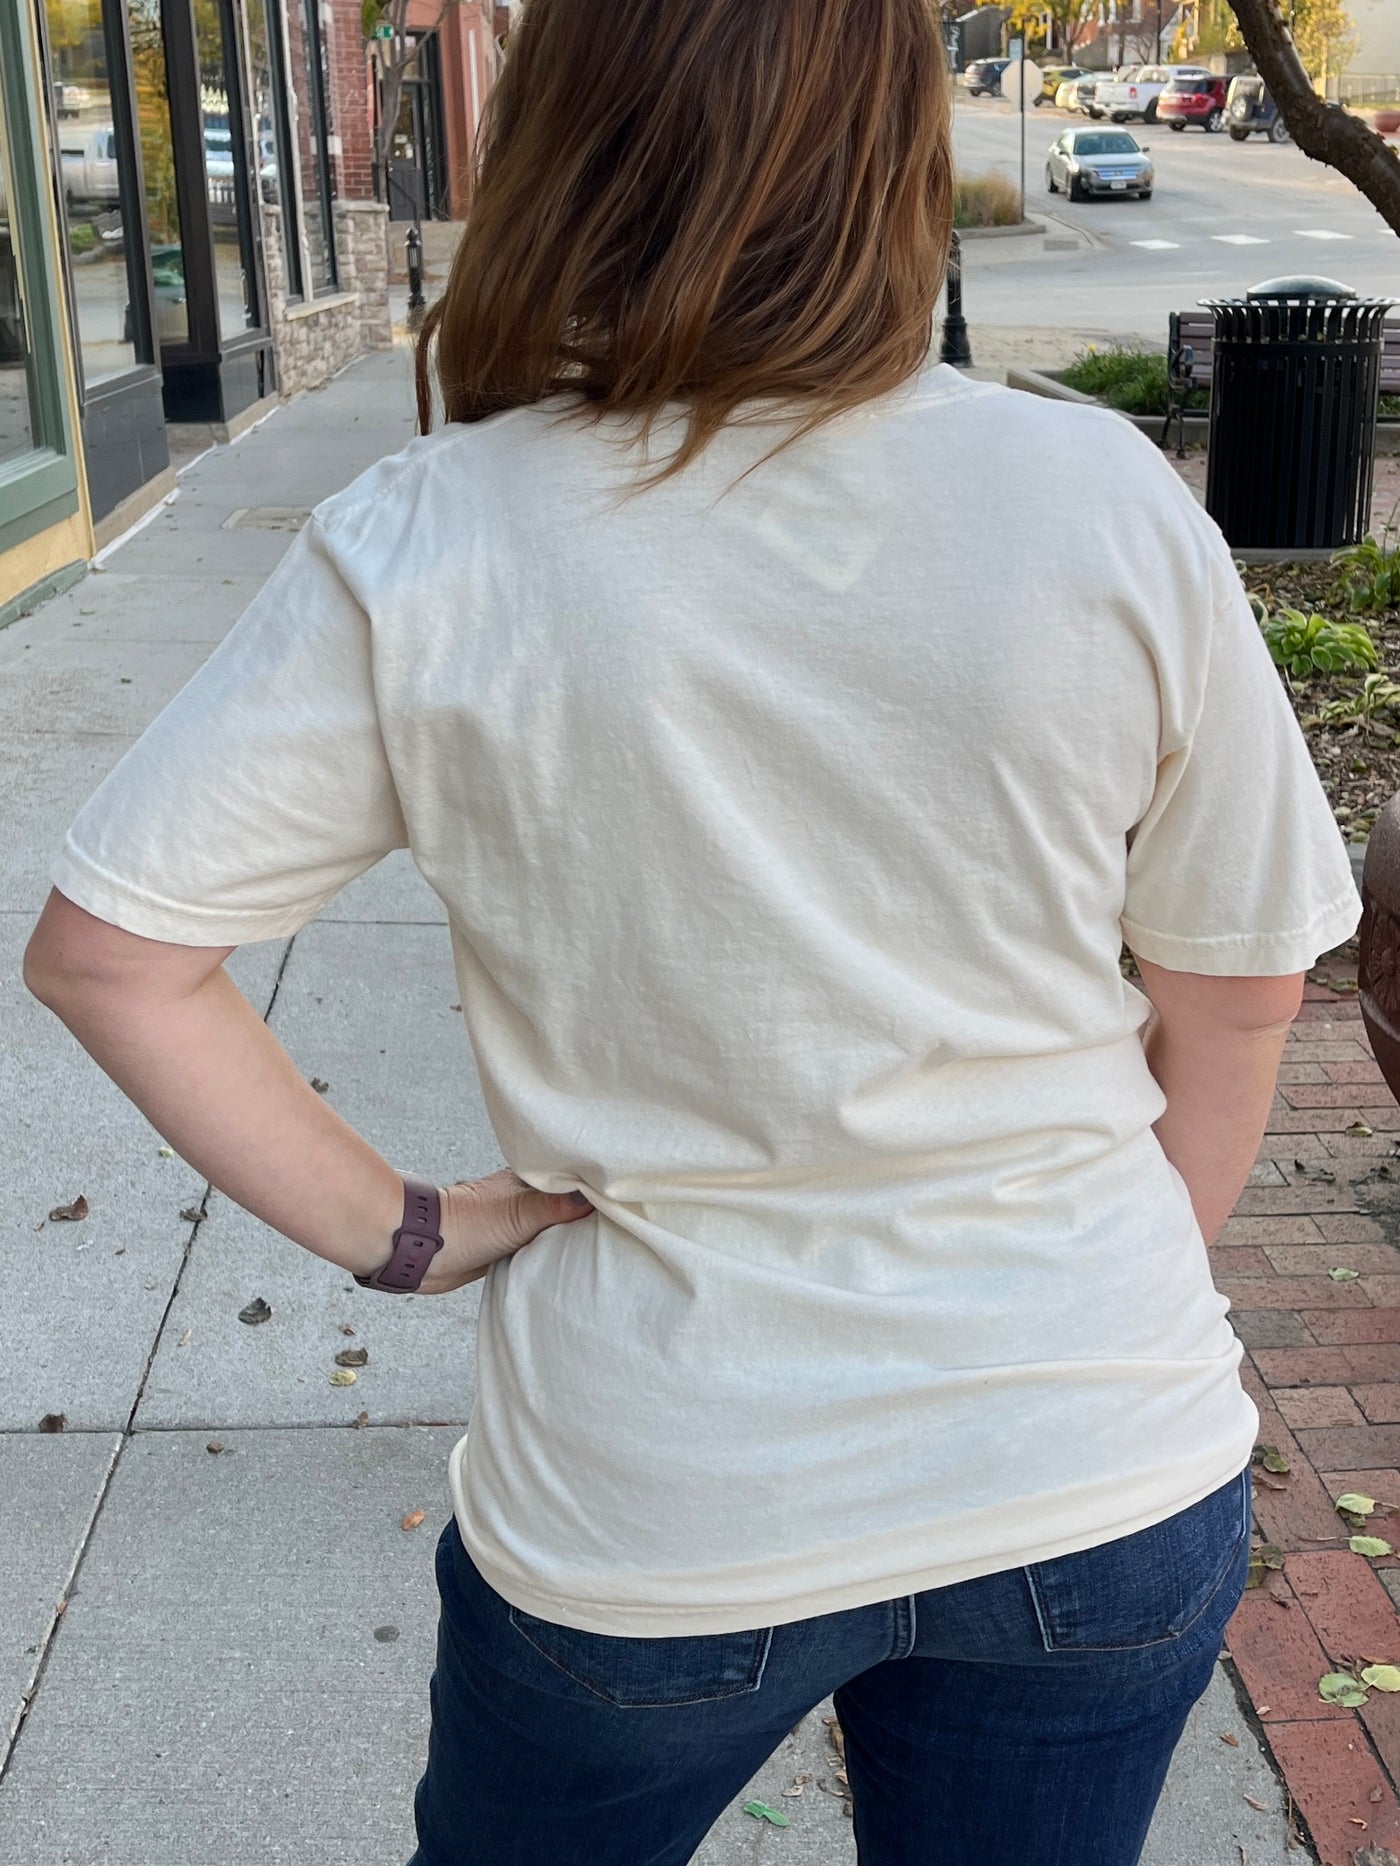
<point>1324,132</point>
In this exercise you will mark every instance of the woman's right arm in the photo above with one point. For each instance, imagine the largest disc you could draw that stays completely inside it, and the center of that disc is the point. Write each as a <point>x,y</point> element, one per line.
<point>1214,1046</point>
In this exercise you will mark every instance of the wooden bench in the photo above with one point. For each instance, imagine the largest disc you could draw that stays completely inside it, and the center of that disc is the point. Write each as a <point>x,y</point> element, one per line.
<point>1191,365</point>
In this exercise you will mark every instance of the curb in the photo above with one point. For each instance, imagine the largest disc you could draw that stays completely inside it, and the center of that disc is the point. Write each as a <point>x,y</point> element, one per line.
<point>1000,233</point>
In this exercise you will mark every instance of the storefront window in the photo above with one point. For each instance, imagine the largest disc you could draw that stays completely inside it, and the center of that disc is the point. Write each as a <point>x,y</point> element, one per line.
<point>171,312</point>
<point>16,415</point>
<point>266,87</point>
<point>90,173</point>
<point>305,56</point>
<point>224,170</point>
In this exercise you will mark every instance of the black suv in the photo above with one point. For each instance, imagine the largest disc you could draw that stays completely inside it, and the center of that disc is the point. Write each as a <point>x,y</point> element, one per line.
<point>983,76</point>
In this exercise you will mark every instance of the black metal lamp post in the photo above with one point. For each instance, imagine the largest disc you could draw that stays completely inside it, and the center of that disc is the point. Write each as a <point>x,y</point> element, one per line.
<point>413,251</point>
<point>955,348</point>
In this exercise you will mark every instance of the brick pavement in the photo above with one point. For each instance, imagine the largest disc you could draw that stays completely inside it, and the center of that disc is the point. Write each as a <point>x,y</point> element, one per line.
<point>1322,1363</point>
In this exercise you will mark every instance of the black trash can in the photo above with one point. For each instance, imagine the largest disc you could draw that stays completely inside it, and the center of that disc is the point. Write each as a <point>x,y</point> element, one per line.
<point>1293,414</point>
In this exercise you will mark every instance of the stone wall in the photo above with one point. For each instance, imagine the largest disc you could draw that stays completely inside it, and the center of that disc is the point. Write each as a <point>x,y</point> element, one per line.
<point>315,337</point>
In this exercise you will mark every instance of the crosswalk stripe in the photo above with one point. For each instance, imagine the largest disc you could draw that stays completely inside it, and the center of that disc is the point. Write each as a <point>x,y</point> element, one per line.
<point>1320,233</point>
<point>1239,239</point>
<point>1158,246</point>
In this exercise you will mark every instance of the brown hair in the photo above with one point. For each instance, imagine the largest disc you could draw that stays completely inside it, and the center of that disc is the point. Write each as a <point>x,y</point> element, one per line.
<point>703,202</point>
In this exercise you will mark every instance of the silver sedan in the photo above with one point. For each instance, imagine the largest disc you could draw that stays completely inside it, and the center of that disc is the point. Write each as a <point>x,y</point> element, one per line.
<point>1092,162</point>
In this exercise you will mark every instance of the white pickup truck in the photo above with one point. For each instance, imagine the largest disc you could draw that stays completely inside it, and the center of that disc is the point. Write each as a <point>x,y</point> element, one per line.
<point>1136,94</point>
<point>89,165</point>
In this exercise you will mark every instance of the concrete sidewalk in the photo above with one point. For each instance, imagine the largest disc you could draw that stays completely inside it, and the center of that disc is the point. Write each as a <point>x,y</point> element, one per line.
<point>215,1635</point>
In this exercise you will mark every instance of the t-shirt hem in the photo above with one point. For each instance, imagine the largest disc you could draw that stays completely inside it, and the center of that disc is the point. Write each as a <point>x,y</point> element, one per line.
<point>81,880</point>
<point>1250,955</point>
<point>642,1621</point>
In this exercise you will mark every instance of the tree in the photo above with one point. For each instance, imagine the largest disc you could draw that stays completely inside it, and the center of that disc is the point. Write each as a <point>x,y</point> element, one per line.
<point>1324,132</point>
<point>385,25</point>
<point>1060,24</point>
<point>1325,35</point>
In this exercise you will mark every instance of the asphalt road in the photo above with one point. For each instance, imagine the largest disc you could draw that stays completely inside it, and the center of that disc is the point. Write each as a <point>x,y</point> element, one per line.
<point>1224,216</point>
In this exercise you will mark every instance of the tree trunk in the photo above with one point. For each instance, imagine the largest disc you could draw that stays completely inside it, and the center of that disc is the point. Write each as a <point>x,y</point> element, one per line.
<point>1324,132</point>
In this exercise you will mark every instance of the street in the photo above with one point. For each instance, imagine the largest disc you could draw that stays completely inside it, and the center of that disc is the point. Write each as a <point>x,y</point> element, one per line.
<point>1224,216</point>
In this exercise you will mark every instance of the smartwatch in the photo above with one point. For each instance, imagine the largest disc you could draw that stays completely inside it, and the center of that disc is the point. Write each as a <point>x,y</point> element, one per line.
<point>416,1242</point>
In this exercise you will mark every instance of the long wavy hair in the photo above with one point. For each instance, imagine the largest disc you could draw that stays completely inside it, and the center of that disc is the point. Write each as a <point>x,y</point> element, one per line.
<point>702,203</point>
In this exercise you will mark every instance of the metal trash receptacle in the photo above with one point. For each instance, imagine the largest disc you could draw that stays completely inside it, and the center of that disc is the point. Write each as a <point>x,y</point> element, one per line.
<point>1293,414</point>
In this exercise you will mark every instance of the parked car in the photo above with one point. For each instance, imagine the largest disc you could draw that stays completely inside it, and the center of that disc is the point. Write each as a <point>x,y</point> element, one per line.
<point>1067,94</point>
<point>1051,78</point>
<point>1194,99</point>
<point>89,167</point>
<point>1251,111</point>
<point>983,76</point>
<point>1089,88</point>
<point>1085,162</point>
<point>1137,96</point>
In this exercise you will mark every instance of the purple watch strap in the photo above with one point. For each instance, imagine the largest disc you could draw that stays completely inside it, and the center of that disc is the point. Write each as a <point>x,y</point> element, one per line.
<point>416,1242</point>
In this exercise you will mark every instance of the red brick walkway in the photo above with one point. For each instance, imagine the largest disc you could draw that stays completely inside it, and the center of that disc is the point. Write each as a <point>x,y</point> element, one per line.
<point>1323,1365</point>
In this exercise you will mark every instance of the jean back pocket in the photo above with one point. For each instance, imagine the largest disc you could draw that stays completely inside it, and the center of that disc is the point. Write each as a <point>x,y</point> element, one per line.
<point>1147,1588</point>
<point>686,1669</point>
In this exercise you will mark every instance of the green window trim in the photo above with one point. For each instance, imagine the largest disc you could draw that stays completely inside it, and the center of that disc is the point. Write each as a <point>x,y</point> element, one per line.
<point>40,488</point>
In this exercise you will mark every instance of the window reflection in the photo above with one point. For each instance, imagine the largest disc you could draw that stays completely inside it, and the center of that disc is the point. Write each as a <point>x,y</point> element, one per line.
<point>262,97</point>
<point>171,313</point>
<point>92,192</point>
<point>222,155</point>
<point>16,415</point>
<point>304,55</point>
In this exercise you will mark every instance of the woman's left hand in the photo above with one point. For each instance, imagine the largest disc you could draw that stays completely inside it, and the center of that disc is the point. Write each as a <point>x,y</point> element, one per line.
<point>485,1219</point>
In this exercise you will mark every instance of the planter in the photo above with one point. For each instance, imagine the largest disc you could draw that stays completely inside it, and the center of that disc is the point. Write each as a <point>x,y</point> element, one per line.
<point>1041,382</point>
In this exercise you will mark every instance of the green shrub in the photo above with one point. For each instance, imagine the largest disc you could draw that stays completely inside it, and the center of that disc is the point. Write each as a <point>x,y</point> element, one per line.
<point>1134,381</point>
<point>1304,645</point>
<point>82,237</point>
<point>1370,578</point>
<point>1375,695</point>
<point>986,201</point>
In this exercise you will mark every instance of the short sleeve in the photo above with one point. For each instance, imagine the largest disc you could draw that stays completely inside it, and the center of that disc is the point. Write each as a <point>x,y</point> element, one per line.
<point>1238,867</point>
<point>263,787</point>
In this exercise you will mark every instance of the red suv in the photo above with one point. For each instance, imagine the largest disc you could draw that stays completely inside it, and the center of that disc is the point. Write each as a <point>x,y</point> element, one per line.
<point>1194,100</point>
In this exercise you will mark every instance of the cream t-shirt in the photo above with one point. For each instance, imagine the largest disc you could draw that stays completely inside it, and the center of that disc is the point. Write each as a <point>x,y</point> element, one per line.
<point>789,823</point>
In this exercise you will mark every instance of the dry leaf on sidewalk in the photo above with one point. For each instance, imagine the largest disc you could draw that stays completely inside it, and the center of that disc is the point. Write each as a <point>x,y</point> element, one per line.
<point>343,1377</point>
<point>412,1520</point>
<point>79,1208</point>
<point>352,1357</point>
<point>254,1312</point>
<point>53,1422</point>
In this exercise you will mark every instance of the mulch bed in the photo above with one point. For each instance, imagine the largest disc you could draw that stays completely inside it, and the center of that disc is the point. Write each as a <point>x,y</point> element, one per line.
<point>1359,765</point>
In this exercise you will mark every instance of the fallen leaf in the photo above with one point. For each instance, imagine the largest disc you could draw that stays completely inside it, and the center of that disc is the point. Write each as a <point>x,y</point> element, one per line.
<point>254,1312</point>
<point>1268,1483</point>
<point>1356,1821</point>
<point>1342,985</point>
<point>78,1209</point>
<point>1382,1677</point>
<point>61,1608</point>
<point>412,1520</point>
<point>1360,1129</point>
<point>361,1418</point>
<point>1323,1173</point>
<point>319,1085</point>
<point>1340,1275</point>
<point>53,1422</point>
<point>191,1214</point>
<point>214,1446</point>
<point>1233,1741</point>
<point>1355,1504</point>
<point>1370,1545</point>
<point>1340,1688</point>
<point>1376,1794</point>
<point>1271,1458</point>
<point>184,1341</point>
<point>343,1377</point>
<point>166,1153</point>
<point>352,1357</point>
<point>1256,1804</point>
<point>386,1635</point>
<point>761,1811</point>
<point>346,1329</point>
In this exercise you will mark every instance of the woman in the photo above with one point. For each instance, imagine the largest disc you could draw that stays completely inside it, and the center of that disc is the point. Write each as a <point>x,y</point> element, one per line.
<point>732,674</point>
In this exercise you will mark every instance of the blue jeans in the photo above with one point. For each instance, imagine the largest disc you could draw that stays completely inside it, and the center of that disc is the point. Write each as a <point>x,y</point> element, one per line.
<point>1028,1715</point>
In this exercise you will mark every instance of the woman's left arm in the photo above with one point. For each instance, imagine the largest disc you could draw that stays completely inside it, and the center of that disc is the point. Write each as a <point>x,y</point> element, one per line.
<point>172,1030</point>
